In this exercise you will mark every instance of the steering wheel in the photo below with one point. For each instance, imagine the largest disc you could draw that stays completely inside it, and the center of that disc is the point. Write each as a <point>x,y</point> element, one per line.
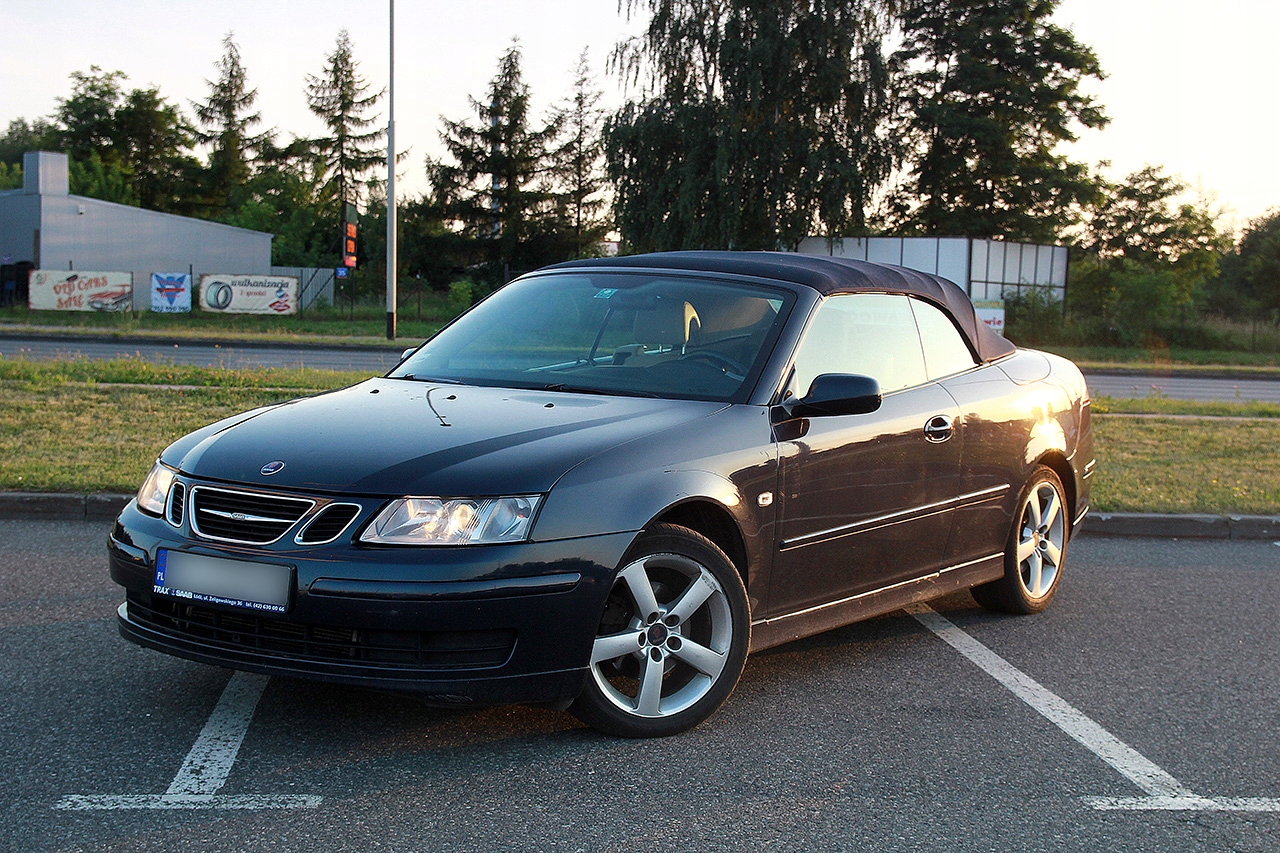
<point>719,359</point>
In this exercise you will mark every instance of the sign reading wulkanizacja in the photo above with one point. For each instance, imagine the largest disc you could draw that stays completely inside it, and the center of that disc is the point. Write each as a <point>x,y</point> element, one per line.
<point>62,290</point>
<point>249,294</point>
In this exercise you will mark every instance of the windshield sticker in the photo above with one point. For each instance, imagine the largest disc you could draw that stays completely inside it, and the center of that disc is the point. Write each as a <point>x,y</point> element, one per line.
<point>606,292</point>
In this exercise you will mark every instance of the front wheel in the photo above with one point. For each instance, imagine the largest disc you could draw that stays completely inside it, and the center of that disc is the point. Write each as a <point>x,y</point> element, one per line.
<point>672,641</point>
<point>1035,550</point>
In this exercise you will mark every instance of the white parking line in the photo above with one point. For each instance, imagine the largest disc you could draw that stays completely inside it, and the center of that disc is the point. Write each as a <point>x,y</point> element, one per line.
<point>1164,793</point>
<point>207,765</point>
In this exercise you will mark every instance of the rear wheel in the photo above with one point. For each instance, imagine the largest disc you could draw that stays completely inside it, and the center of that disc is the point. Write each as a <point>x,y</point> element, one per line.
<point>672,640</point>
<point>1035,550</point>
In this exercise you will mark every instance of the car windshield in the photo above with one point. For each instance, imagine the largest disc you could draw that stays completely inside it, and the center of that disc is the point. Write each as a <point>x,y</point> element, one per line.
<point>611,333</point>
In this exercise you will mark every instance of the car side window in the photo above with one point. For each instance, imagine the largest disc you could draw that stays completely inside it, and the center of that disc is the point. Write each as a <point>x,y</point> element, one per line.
<point>945,351</point>
<point>871,334</point>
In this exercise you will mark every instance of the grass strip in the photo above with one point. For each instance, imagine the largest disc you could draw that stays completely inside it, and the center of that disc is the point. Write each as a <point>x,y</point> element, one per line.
<point>87,426</point>
<point>1184,465</point>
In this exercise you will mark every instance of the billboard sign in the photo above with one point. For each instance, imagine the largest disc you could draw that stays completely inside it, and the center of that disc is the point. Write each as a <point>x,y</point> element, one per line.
<point>63,290</point>
<point>249,294</point>
<point>170,292</point>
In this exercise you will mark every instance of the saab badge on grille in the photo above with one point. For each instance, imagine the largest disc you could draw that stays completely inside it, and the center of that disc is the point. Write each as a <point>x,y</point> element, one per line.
<point>272,468</point>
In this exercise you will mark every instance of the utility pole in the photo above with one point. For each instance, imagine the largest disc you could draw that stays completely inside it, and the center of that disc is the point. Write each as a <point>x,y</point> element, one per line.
<point>391,185</point>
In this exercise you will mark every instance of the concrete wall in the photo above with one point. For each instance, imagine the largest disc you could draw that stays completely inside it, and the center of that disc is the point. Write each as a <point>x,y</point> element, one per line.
<point>84,233</point>
<point>986,269</point>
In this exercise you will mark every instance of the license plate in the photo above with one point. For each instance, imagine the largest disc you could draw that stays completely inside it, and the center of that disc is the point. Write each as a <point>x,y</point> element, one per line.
<point>215,580</point>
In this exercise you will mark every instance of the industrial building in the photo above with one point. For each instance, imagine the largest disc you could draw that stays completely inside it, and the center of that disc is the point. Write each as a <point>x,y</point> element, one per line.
<point>43,226</point>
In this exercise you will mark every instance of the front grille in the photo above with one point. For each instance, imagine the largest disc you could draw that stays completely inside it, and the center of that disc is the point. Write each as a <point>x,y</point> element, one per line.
<point>277,638</point>
<point>328,524</point>
<point>251,518</point>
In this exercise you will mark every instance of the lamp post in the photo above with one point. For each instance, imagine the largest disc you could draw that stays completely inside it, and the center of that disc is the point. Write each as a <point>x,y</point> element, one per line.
<point>391,185</point>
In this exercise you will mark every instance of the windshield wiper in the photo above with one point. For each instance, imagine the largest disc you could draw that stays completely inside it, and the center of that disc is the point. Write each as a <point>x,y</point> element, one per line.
<point>578,389</point>
<point>415,378</point>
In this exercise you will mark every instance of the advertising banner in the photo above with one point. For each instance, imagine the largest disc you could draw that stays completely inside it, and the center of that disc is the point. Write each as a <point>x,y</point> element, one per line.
<point>249,294</point>
<point>61,290</point>
<point>991,312</point>
<point>170,292</point>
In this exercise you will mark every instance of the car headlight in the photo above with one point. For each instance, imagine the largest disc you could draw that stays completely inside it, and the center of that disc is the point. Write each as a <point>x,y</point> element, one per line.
<point>453,521</point>
<point>155,489</point>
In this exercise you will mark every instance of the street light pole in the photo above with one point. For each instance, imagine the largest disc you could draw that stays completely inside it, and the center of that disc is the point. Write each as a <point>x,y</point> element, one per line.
<point>391,186</point>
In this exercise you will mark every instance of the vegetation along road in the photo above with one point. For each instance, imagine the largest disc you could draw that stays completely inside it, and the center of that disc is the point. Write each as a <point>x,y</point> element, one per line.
<point>380,359</point>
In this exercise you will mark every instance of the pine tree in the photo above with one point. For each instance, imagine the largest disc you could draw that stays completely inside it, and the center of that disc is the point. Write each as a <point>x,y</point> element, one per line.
<point>578,165</point>
<point>495,188</point>
<point>226,114</point>
<point>340,97</point>
<point>994,87</point>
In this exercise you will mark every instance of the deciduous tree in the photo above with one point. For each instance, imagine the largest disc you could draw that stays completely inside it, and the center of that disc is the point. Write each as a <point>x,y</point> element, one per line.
<point>760,122</point>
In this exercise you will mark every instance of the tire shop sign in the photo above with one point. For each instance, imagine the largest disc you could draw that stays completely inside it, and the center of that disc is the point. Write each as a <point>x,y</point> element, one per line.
<point>249,294</point>
<point>61,290</point>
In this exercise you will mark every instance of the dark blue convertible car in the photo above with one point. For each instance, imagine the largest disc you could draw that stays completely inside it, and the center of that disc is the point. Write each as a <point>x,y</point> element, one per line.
<point>604,485</point>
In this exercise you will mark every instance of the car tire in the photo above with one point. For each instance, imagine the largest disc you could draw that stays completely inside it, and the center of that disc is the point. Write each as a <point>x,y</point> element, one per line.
<point>1035,550</point>
<point>672,640</point>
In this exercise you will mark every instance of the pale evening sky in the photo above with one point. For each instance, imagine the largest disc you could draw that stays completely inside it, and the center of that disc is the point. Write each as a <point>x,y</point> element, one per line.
<point>1191,86</point>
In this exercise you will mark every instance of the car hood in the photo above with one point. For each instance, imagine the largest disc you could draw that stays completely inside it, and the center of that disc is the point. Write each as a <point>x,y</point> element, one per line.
<point>390,437</point>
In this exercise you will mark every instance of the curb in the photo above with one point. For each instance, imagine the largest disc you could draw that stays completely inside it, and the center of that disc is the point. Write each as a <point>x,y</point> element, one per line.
<point>49,506</point>
<point>1182,526</point>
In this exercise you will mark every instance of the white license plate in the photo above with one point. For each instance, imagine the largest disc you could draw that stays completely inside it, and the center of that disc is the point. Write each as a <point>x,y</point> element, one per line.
<point>214,580</point>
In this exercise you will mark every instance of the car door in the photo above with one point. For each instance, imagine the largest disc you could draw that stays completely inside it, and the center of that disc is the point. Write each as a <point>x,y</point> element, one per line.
<point>865,499</point>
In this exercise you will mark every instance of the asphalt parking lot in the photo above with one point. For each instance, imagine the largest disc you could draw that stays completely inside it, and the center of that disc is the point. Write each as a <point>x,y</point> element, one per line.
<point>1139,713</point>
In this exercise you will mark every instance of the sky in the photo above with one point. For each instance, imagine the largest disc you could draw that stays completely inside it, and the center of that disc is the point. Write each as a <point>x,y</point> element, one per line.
<point>1190,86</point>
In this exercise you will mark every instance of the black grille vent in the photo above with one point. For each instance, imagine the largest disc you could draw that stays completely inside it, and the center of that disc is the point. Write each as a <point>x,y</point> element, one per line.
<point>177,504</point>
<point>251,518</point>
<point>276,638</point>
<point>328,524</point>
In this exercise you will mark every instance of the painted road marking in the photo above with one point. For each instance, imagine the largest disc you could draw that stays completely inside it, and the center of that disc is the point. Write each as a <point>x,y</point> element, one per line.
<point>207,765</point>
<point>1164,793</point>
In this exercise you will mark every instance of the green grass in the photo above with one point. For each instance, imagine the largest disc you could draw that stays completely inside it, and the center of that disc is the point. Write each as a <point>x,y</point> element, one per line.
<point>1137,358</point>
<point>87,426</point>
<point>1186,408</point>
<point>1187,465</point>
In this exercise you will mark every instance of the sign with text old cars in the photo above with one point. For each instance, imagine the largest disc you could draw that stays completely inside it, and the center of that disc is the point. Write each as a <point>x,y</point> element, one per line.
<point>65,290</point>
<point>249,294</point>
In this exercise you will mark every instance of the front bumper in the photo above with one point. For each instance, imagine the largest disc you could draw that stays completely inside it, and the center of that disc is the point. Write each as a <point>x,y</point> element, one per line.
<point>498,624</point>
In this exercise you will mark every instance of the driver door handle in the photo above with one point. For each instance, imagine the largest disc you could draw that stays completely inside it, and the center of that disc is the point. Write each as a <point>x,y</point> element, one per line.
<point>938,428</point>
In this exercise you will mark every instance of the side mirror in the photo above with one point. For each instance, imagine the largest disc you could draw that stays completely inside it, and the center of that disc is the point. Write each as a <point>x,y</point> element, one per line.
<point>835,394</point>
<point>407,353</point>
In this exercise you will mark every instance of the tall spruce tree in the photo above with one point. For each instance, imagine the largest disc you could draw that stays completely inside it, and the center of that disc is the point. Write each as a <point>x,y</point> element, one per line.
<point>761,122</point>
<point>340,97</point>
<point>578,165</point>
<point>994,87</point>
<point>496,187</point>
<point>226,115</point>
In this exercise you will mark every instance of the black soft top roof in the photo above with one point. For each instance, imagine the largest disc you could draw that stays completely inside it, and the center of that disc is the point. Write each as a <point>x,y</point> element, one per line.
<point>826,275</point>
